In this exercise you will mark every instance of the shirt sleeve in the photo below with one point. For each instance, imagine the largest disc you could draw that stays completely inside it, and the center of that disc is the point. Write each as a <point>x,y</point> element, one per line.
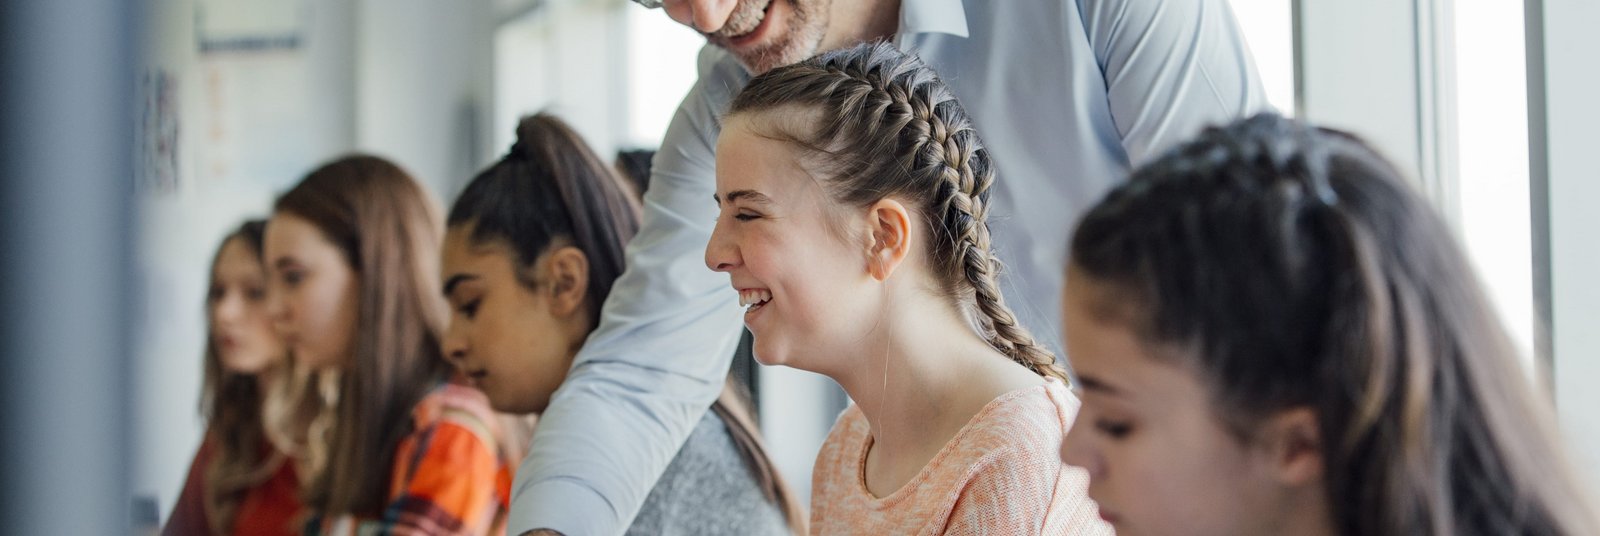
<point>1172,67</point>
<point>659,356</point>
<point>189,513</point>
<point>1028,495</point>
<point>1000,501</point>
<point>445,483</point>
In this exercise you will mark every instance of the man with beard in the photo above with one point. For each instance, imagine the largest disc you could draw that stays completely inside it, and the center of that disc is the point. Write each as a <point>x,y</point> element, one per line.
<point>1069,95</point>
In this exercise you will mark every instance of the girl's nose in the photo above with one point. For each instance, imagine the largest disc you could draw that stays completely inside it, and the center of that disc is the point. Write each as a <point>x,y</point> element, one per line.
<point>721,254</point>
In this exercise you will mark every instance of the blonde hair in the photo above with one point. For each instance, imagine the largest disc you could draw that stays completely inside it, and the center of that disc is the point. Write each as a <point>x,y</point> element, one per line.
<point>232,405</point>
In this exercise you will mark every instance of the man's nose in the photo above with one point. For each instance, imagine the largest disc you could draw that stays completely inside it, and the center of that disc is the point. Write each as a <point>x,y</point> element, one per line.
<point>705,16</point>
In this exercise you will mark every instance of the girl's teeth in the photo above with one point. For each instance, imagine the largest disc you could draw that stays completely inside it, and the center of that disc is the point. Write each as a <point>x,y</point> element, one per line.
<point>753,297</point>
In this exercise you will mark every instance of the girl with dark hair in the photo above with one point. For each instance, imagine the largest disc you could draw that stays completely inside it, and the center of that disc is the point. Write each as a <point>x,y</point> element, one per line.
<point>353,252</point>
<point>853,194</point>
<point>1275,335</point>
<point>239,483</point>
<point>533,247</point>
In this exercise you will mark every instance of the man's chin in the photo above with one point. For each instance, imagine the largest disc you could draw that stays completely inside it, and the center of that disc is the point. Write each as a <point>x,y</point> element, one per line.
<point>760,66</point>
<point>759,62</point>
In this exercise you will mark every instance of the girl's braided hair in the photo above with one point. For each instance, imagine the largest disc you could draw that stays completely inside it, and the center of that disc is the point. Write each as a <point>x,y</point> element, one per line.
<point>879,123</point>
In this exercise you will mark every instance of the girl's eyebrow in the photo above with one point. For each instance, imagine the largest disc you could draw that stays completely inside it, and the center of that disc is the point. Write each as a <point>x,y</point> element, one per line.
<point>450,284</point>
<point>1093,384</point>
<point>752,195</point>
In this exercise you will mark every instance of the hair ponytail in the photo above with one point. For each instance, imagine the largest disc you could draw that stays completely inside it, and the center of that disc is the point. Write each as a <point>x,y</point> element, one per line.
<point>552,187</point>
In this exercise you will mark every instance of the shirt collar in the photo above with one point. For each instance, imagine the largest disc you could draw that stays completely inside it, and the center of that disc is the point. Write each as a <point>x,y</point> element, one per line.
<point>933,16</point>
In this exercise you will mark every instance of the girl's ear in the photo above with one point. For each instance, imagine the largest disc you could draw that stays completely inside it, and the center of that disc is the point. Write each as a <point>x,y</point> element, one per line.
<point>1293,444</point>
<point>890,237</point>
<point>568,270</point>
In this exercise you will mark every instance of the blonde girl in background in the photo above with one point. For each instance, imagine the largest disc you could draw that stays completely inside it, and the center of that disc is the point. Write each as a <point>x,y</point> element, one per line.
<point>240,482</point>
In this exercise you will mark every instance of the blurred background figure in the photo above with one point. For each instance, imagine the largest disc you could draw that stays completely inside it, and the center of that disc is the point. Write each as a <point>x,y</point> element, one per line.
<point>634,164</point>
<point>352,252</point>
<point>239,482</point>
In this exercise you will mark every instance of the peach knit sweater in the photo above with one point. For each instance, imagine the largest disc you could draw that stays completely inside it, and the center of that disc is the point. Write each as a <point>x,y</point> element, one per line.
<point>1001,474</point>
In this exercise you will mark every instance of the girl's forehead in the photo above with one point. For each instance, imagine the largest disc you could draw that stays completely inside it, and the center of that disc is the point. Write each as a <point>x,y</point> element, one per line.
<point>763,168</point>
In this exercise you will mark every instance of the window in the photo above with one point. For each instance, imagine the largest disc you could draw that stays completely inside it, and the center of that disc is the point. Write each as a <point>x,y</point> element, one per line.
<point>1268,27</point>
<point>1492,169</point>
<point>661,68</point>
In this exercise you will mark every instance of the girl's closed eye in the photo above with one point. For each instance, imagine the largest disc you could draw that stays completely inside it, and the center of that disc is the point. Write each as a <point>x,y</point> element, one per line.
<point>469,307</point>
<point>746,216</point>
<point>1112,428</point>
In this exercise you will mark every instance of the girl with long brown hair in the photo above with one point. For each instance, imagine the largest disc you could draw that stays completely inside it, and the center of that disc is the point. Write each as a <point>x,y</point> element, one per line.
<point>534,245</point>
<point>853,192</point>
<point>1275,335</point>
<point>352,251</point>
<point>239,482</point>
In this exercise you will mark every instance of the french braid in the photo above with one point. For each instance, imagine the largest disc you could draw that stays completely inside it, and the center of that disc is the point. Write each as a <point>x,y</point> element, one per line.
<point>885,125</point>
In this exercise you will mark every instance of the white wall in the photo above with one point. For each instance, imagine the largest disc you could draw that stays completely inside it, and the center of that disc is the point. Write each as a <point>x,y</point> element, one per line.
<point>423,86</point>
<point>1358,72</point>
<point>1567,43</point>
<point>569,58</point>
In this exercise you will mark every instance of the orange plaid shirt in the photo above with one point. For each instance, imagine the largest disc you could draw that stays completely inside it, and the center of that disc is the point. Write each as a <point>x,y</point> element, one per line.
<point>449,478</point>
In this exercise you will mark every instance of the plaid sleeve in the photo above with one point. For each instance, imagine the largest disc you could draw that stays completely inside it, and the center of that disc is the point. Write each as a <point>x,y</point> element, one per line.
<point>446,479</point>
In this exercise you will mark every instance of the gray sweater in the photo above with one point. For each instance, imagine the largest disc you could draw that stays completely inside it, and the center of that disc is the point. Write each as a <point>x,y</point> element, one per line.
<point>708,489</point>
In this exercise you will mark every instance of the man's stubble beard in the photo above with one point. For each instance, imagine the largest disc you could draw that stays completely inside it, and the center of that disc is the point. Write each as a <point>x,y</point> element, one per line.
<point>807,25</point>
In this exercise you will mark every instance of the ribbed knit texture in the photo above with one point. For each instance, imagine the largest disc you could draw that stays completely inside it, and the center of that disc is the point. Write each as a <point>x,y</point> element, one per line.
<point>1000,475</point>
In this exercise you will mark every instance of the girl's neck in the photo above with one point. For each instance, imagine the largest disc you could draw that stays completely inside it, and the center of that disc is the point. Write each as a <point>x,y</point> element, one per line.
<point>922,375</point>
<point>858,21</point>
<point>1306,511</point>
<point>267,380</point>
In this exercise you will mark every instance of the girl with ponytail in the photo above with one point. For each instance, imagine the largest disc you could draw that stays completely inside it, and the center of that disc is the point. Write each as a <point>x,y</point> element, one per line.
<point>533,247</point>
<point>853,195</point>
<point>1275,335</point>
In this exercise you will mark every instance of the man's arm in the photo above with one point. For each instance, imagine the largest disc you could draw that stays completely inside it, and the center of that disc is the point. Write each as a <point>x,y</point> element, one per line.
<point>1172,67</point>
<point>655,363</point>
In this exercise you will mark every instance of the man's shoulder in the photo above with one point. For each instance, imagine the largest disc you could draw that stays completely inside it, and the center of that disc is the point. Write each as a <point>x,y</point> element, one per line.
<point>712,60</point>
<point>721,75</point>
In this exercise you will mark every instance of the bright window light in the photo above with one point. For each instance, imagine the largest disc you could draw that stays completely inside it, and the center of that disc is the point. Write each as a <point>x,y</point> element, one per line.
<point>1492,119</point>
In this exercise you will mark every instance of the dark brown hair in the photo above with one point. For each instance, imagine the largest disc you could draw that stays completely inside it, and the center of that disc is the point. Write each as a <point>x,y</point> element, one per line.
<point>1291,267</point>
<point>388,230</point>
<point>552,188</point>
<point>232,405</point>
<point>878,123</point>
